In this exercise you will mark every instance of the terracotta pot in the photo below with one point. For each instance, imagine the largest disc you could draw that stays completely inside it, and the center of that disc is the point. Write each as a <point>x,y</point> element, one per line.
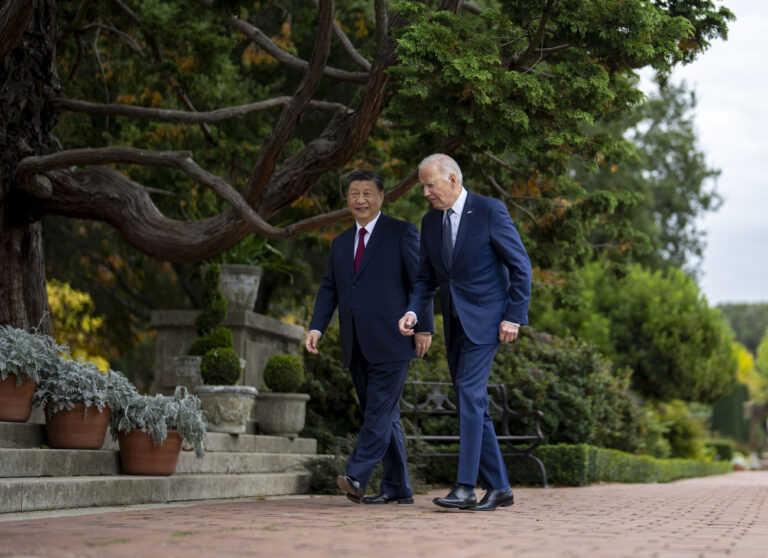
<point>16,402</point>
<point>139,456</point>
<point>75,429</point>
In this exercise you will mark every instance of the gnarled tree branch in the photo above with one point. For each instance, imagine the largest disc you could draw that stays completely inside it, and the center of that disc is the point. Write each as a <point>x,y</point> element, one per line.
<point>268,45</point>
<point>183,117</point>
<point>359,59</point>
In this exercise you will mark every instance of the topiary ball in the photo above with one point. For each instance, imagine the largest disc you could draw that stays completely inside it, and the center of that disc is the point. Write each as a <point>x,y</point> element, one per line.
<point>220,367</point>
<point>221,337</point>
<point>284,373</point>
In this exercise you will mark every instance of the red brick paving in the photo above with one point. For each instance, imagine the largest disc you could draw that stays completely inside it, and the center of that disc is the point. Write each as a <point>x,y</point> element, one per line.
<point>709,517</point>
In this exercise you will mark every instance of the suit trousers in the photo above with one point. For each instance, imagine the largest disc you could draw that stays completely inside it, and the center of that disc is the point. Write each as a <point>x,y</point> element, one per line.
<point>379,387</point>
<point>470,364</point>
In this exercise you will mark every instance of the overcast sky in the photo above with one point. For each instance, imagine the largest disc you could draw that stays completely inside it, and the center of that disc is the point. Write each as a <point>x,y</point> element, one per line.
<point>732,122</point>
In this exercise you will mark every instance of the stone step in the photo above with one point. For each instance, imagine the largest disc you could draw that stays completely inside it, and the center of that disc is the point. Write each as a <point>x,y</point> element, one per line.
<point>57,463</point>
<point>29,494</point>
<point>241,463</point>
<point>254,443</point>
<point>27,435</point>
<point>16,463</point>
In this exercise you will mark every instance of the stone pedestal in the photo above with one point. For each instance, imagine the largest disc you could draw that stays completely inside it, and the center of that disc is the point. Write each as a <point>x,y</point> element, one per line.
<point>256,338</point>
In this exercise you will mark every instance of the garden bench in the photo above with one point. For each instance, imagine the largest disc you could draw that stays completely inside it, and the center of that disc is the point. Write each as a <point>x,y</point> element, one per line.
<point>426,399</point>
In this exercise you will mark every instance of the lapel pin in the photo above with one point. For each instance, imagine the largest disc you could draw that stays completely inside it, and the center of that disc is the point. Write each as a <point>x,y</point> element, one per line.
<point>468,212</point>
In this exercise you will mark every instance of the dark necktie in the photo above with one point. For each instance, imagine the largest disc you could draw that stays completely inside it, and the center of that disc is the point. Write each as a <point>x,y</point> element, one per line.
<point>448,237</point>
<point>360,249</point>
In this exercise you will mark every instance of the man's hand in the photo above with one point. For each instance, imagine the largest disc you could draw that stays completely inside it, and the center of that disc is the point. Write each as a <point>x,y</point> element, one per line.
<point>508,332</point>
<point>422,342</point>
<point>406,323</point>
<point>313,337</point>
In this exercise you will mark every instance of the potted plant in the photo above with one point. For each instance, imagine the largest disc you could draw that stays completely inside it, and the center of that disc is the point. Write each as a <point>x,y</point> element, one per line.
<point>78,399</point>
<point>227,406</point>
<point>24,357</point>
<point>282,411</point>
<point>242,267</point>
<point>150,430</point>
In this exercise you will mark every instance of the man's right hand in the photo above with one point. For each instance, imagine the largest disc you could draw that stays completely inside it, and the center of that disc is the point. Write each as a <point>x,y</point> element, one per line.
<point>313,337</point>
<point>406,323</point>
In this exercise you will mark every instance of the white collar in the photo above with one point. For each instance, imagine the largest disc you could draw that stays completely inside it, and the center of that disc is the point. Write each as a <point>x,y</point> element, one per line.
<point>369,226</point>
<point>458,205</point>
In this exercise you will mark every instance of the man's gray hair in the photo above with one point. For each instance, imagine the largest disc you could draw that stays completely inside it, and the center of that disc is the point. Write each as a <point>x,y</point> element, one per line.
<point>445,165</point>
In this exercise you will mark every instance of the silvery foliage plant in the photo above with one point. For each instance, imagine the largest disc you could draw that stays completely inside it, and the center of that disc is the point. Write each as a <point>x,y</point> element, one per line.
<point>27,354</point>
<point>80,381</point>
<point>158,414</point>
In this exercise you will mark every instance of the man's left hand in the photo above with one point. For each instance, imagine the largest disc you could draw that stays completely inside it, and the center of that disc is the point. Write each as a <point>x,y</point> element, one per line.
<point>508,332</point>
<point>422,341</point>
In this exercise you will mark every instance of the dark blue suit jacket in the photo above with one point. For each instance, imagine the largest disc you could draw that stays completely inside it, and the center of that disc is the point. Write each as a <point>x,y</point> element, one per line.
<point>489,279</point>
<point>371,301</point>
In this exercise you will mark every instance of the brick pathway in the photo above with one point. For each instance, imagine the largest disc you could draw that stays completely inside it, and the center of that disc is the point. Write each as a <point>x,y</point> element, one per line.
<point>715,516</point>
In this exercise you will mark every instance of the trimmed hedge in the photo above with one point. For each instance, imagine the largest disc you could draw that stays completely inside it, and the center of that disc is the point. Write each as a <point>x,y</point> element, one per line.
<point>582,464</point>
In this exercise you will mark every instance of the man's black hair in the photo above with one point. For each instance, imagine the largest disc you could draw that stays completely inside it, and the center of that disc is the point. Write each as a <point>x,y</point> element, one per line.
<point>367,176</point>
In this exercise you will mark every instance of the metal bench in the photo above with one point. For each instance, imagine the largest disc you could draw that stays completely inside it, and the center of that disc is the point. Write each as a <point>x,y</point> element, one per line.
<point>429,399</point>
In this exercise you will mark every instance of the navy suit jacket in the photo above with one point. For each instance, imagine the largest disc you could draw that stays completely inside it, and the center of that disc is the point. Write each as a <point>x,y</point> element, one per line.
<point>489,279</point>
<point>371,301</point>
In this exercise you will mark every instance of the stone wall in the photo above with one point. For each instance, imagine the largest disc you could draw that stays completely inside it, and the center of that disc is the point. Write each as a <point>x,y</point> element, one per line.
<point>256,338</point>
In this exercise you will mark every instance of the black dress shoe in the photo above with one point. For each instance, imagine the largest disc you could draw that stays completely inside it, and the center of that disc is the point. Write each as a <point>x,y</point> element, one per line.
<point>351,487</point>
<point>461,497</point>
<point>382,498</point>
<point>495,498</point>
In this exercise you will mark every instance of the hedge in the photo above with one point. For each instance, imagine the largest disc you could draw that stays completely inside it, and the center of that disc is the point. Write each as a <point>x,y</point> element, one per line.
<point>582,464</point>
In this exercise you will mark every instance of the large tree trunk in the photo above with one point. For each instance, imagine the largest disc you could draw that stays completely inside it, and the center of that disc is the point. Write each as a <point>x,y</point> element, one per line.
<point>28,82</point>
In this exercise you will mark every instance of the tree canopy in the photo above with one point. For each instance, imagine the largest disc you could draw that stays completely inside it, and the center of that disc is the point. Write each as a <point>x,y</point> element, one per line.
<point>188,125</point>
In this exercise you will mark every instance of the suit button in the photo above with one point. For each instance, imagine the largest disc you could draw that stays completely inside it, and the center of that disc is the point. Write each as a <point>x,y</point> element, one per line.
<point>354,287</point>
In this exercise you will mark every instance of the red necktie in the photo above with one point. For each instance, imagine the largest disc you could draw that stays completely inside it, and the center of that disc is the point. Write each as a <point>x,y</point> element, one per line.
<point>360,249</point>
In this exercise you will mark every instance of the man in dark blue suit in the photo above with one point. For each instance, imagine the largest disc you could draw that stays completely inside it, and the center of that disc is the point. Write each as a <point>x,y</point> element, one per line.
<point>472,251</point>
<point>372,269</point>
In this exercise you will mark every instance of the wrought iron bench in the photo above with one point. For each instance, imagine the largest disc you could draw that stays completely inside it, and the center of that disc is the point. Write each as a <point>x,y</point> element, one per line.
<point>428,399</point>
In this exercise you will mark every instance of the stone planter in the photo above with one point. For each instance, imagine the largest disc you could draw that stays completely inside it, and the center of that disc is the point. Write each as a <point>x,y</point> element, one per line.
<point>227,408</point>
<point>16,401</point>
<point>281,414</point>
<point>240,285</point>
<point>139,455</point>
<point>76,429</point>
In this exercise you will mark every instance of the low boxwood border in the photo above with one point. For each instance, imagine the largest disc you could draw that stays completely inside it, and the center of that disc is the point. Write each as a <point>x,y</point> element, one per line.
<point>582,464</point>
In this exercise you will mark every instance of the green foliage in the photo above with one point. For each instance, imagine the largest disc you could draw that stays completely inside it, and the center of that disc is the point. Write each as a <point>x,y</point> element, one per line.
<point>27,355</point>
<point>333,409</point>
<point>579,465</point>
<point>80,381</point>
<point>220,367</point>
<point>583,398</point>
<point>684,432</point>
<point>284,373</point>
<point>749,323</point>
<point>656,186</point>
<point>214,303</point>
<point>160,413</point>
<point>723,448</point>
<point>656,323</point>
<point>220,364</point>
<point>221,337</point>
<point>728,414</point>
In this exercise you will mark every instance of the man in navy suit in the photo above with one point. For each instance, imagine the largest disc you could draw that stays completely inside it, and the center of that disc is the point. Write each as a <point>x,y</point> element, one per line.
<point>472,251</point>
<point>372,269</point>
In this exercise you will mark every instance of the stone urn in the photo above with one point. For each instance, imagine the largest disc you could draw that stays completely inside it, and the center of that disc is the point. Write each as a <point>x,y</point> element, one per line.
<point>240,285</point>
<point>227,408</point>
<point>281,414</point>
